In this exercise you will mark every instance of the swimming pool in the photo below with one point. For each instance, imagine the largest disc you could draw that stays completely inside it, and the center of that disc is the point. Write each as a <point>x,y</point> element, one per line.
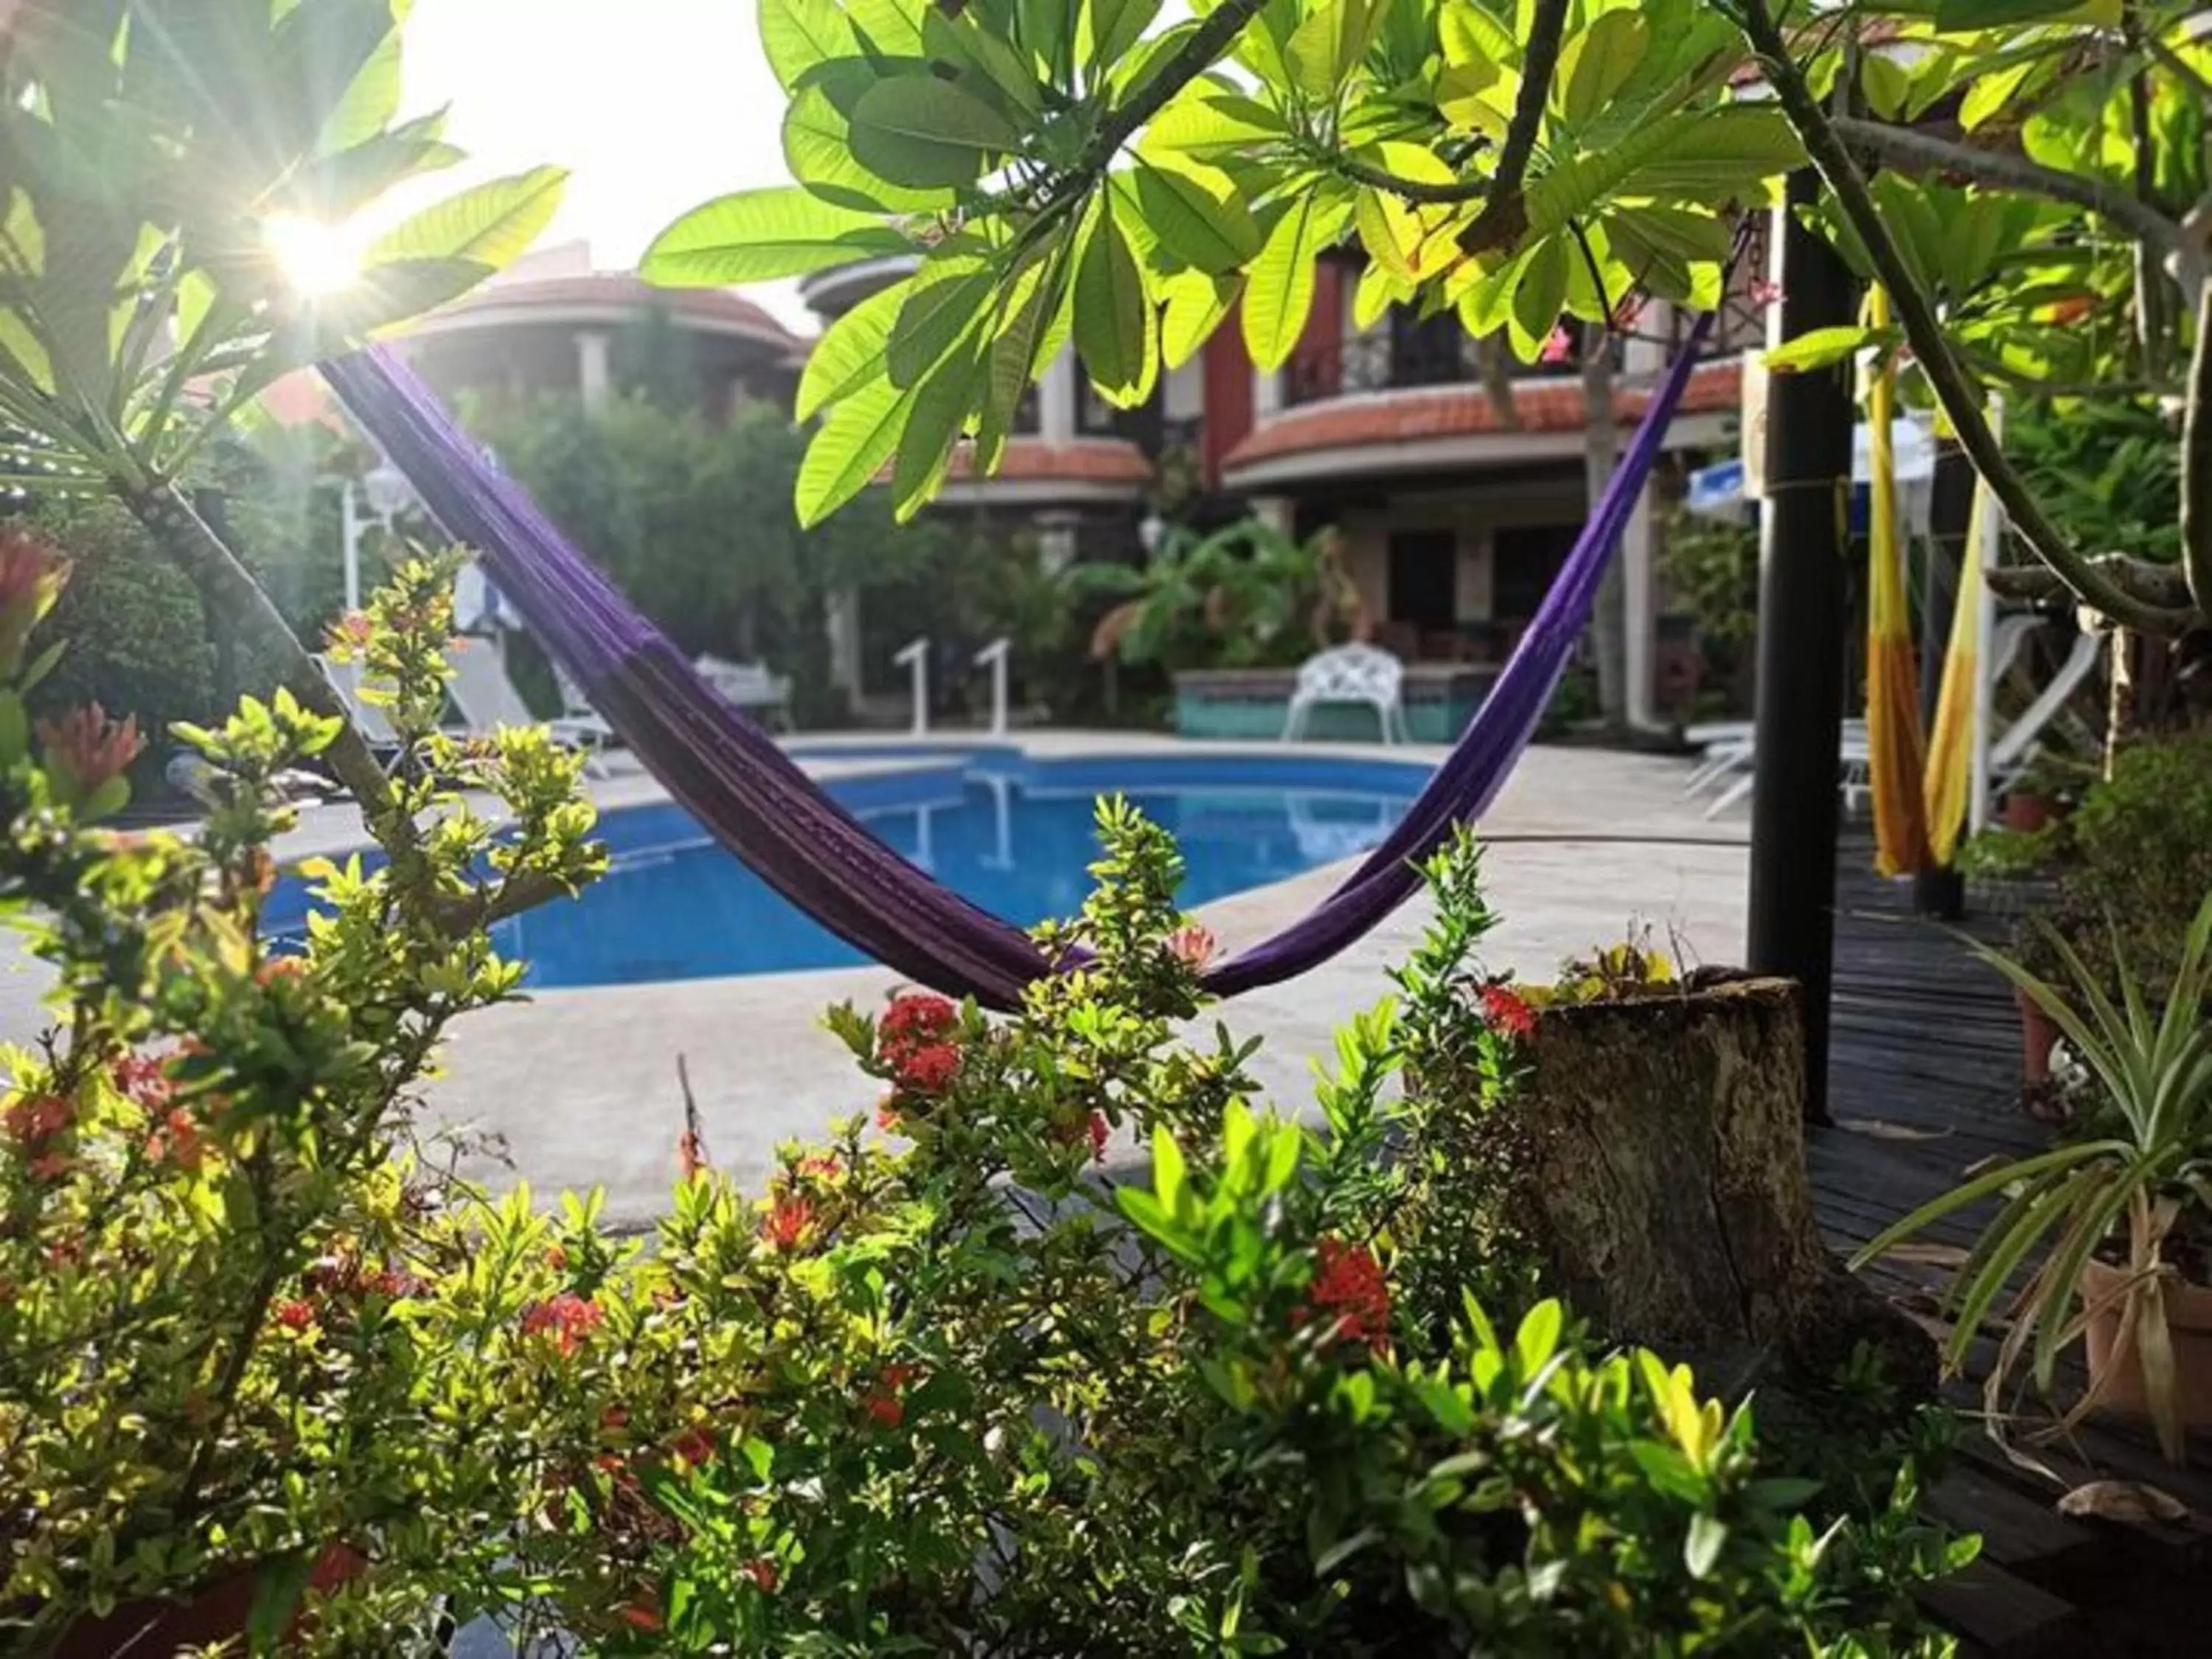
<point>1010,832</point>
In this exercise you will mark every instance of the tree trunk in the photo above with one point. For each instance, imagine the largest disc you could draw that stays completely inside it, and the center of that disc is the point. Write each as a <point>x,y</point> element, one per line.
<point>1601,449</point>
<point>215,616</point>
<point>1661,1178</point>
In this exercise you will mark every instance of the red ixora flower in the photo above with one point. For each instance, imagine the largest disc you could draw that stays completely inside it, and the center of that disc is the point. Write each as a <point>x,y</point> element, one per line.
<point>927,1068</point>
<point>915,1017</point>
<point>354,630</point>
<point>1193,945</point>
<point>789,1221</point>
<point>37,1119</point>
<point>292,1316</point>
<point>84,749</point>
<point>145,1081</point>
<point>568,1318</point>
<point>177,1141</point>
<point>1100,1132</point>
<point>761,1571</point>
<point>882,1403</point>
<point>1508,1010</point>
<point>1348,1294</point>
<point>693,1446</point>
<point>821,1166</point>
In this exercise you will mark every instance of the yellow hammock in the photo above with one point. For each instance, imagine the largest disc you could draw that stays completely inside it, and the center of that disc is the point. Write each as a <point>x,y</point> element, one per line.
<point>1894,743</point>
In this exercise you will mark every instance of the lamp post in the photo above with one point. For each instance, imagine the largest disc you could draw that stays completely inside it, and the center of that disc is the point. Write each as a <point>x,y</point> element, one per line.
<point>382,491</point>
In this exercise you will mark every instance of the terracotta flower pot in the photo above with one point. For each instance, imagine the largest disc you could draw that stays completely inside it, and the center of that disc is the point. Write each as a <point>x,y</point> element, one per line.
<point>217,1613</point>
<point>2027,812</point>
<point>2187,1317</point>
<point>2037,1033</point>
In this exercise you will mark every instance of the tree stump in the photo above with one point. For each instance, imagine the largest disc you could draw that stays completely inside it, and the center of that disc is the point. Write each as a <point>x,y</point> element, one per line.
<point>1660,1178</point>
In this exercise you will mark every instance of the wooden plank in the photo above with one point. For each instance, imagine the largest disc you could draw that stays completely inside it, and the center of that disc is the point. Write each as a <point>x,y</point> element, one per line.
<point>2023,1535</point>
<point>2006,1616</point>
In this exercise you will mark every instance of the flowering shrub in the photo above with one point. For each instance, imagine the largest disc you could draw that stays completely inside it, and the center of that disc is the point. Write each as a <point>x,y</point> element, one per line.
<point>963,1393</point>
<point>235,1323</point>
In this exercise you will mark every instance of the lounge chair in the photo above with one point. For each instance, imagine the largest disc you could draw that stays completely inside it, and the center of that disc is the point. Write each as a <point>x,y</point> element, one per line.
<point>1350,673</point>
<point>368,718</point>
<point>488,701</point>
<point>752,686</point>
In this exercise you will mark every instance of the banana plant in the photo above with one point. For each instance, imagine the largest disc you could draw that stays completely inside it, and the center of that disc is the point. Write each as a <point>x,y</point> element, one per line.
<point>170,172</point>
<point>1246,596</point>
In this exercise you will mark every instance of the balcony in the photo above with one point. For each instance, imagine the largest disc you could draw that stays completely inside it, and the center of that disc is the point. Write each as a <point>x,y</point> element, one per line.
<point>1409,397</point>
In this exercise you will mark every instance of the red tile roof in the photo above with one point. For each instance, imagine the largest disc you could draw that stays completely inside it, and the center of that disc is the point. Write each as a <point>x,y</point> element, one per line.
<point>1462,411</point>
<point>703,304</point>
<point>1080,460</point>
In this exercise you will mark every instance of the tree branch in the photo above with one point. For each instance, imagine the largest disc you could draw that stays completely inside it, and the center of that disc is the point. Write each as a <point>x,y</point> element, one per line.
<point>2196,462</point>
<point>1413,190</point>
<point>1207,42</point>
<point>1505,216</point>
<point>1952,389</point>
<point>1920,153</point>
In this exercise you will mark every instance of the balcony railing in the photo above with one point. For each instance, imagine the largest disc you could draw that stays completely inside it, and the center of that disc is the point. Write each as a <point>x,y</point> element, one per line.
<point>1435,352</point>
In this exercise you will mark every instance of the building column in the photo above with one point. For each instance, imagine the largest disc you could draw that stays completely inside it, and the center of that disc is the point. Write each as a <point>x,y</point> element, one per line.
<point>595,375</point>
<point>1056,393</point>
<point>1268,394</point>
<point>842,613</point>
<point>1644,362</point>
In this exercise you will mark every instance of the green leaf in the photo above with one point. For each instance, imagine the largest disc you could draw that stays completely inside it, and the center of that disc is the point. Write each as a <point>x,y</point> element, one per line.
<point>758,235</point>
<point>1114,322</point>
<point>818,147</point>
<point>1113,27</point>
<point>1327,47</point>
<point>993,67</point>
<point>1887,85</point>
<point>1538,1338</point>
<point>1595,62</point>
<point>1824,348</point>
<point>1207,230</point>
<point>1966,16</point>
<point>920,131</point>
<point>943,303</point>
<point>850,449</point>
<point>936,409</point>
<point>1541,291</point>
<point>799,35</point>
<point>1280,287</point>
<point>1196,303</point>
<point>492,225</point>
<point>1701,1550</point>
<point>849,354</point>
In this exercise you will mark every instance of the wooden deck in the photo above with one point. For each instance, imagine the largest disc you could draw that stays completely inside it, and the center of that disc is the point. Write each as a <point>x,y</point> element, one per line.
<point>1923,1082</point>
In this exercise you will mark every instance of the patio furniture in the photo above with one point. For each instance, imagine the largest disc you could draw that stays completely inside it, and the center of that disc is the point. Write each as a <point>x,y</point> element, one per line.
<point>368,718</point>
<point>1350,673</point>
<point>752,686</point>
<point>488,701</point>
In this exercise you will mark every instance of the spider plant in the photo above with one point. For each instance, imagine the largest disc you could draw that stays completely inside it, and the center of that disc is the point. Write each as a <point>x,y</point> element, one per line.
<point>2139,1167</point>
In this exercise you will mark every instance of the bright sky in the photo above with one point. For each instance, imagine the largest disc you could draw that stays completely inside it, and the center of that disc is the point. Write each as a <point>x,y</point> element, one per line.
<point>653,106</point>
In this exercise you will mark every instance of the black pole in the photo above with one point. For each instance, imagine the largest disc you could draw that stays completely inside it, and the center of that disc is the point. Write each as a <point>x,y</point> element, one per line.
<point>1795,803</point>
<point>1942,893</point>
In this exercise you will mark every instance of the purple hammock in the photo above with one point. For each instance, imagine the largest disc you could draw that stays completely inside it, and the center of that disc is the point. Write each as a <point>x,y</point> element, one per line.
<point>730,774</point>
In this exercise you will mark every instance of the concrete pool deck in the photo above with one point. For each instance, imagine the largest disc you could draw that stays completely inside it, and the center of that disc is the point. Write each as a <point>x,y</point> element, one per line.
<point>578,1087</point>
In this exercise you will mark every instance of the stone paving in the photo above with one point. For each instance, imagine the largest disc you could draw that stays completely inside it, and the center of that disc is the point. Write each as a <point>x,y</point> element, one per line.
<point>579,1086</point>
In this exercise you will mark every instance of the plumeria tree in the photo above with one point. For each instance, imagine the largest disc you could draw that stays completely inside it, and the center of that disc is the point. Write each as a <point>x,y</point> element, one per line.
<point>176,176</point>
<point>1102,174</point>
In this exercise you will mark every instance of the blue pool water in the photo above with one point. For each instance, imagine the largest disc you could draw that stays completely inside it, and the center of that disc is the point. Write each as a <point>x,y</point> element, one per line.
<point>1012,834</point>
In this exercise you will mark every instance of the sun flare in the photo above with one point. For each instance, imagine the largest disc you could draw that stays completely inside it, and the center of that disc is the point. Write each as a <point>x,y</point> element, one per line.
<point>316,259</point>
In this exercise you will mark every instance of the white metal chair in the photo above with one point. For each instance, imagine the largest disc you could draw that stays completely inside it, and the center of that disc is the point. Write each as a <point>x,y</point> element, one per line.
<point>752,686</point>
<point>1350,673</point>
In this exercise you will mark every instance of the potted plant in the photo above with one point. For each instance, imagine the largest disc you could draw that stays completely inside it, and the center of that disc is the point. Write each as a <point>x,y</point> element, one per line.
<point>2118,1211</point>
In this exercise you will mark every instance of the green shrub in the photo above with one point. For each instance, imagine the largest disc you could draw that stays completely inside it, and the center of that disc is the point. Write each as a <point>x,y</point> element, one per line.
<point>2130,864</point>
